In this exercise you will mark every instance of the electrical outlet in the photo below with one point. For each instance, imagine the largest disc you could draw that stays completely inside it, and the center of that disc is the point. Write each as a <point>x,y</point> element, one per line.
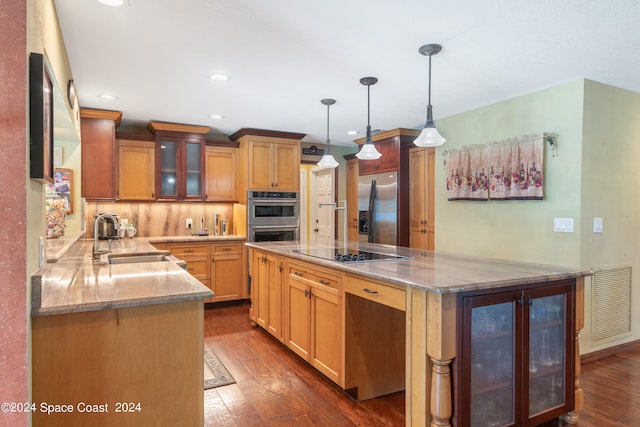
<point>189,223</point>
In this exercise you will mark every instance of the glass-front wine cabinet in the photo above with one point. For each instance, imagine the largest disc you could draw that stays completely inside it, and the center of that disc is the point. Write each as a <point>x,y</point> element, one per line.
<point>516,355</point>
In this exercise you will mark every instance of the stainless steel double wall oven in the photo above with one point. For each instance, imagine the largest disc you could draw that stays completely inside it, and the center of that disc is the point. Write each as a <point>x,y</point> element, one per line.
<point>273,216</point>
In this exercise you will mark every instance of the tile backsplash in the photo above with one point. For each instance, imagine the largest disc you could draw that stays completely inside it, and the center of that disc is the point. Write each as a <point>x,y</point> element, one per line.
<point>163,219</point>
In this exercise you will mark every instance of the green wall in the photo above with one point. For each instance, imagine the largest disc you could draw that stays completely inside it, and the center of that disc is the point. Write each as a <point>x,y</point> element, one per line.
<point>593,174</point>
<point>517,230</point>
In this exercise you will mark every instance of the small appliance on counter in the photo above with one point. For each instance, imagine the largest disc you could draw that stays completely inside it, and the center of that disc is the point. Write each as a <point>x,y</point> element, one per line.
<point>107,227</point>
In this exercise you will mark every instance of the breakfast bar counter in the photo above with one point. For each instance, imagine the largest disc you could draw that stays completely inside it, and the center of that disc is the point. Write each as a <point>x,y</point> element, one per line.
<point>472,341</point>
<point>117,340</point>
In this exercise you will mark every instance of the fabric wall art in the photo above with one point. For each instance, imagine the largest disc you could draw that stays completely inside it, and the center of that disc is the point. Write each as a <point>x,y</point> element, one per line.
<point>506,170</point>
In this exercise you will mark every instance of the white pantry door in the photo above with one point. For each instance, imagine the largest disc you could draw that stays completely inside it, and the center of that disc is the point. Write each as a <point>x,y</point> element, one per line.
<point>322,191</point>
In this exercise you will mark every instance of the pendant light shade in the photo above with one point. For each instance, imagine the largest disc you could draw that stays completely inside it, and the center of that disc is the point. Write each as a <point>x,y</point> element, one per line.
<point>429,137</point>
<point>328,161</point>
<point>368,150</point>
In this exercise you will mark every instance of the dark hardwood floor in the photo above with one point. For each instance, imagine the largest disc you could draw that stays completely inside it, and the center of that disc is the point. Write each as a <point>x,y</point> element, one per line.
<point>276,388</point>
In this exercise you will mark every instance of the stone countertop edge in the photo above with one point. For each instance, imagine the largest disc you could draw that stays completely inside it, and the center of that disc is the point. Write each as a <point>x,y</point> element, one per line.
<point>101,306</point>
<point>436,272</point>
<point>73,282</point>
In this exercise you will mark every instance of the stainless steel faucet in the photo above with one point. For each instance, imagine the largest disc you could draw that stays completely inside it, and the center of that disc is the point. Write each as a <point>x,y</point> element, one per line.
<point>95,256</point>
<point>344,219</point>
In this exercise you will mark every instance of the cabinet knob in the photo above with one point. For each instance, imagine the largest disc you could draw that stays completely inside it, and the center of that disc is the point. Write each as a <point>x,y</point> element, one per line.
<point>324,282</point>
<point>369,291</point>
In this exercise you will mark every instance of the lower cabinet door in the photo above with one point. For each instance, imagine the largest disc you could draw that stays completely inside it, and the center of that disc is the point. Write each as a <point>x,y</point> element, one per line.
<point>326,332</point>
<point>298,318</point>
<point>226,275</point>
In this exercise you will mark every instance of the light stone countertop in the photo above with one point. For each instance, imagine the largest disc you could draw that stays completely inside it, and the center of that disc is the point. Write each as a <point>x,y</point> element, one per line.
<point>432,271</point>
<point>56,248</point>
<point>75,283</point>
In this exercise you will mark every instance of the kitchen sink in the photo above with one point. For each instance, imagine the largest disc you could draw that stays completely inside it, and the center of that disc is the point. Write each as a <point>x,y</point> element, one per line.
<point>132,259</point>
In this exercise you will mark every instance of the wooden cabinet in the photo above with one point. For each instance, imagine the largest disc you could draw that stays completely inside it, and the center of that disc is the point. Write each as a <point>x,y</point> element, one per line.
<point>221,167</point>
<point>98,128</point>
<point>227,271</point>
<point>267,296</point>
<point>352,197</point>
<point>197,259</point>
<point>180,167</point>
<point>136,170</point>
<point>268,160</point>
<point>518,364</point>
<point>314,328</point>
<point>220,266</point>
<point>274,165</point>
<point>109,356</point>
<point>389,161</point>
<point>421,198</point>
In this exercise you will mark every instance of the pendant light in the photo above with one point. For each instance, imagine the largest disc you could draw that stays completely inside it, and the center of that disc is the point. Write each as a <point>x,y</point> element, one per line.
<point>328,161</point>
<point>429,137</point>
<point>368,150</point>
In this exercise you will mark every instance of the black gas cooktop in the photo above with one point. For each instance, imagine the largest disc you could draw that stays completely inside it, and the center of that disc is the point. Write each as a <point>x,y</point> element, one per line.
<point>350,255</point>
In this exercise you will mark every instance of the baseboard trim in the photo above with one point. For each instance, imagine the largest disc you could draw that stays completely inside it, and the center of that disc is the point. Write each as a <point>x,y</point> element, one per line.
<point>611,351</point>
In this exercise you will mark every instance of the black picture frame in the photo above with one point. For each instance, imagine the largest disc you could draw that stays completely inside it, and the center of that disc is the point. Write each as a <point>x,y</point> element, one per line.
<point>40,119</point>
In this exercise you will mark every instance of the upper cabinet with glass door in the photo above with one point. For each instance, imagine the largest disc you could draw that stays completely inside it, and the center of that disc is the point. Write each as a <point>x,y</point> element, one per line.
<point>180,159</point>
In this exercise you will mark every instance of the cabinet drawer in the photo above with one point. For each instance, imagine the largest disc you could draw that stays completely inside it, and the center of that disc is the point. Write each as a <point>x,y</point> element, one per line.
<point>198,269</point>
<point>182,251</point>
<point>234,248</point>
<point>377,292</point>
<point>317,277</point>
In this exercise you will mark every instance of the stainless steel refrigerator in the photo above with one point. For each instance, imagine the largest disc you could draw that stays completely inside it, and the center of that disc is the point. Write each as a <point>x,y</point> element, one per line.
<point>378,208</point>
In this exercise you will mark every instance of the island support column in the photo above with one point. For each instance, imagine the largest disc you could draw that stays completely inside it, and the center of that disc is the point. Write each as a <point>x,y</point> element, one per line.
<point>441,348</point>
<point>572,417</point>
<point>417,367</point>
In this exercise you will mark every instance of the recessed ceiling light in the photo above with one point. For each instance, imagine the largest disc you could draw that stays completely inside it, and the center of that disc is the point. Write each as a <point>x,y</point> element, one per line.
<point>353,132</point>
<point>219,77</point>
<point>107,97</point>
<point>216,116</point>
<point>114,3</point>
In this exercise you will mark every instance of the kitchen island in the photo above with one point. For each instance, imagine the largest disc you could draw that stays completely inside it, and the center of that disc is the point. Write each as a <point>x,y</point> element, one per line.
<point>118,341</point>
<point>472,341</point>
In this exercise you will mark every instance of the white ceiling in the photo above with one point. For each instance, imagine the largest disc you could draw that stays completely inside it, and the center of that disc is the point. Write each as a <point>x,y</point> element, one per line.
<point>283,56</point>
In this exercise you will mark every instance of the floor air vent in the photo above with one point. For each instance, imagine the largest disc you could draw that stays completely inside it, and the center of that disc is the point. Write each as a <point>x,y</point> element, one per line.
<point>611,304</point>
